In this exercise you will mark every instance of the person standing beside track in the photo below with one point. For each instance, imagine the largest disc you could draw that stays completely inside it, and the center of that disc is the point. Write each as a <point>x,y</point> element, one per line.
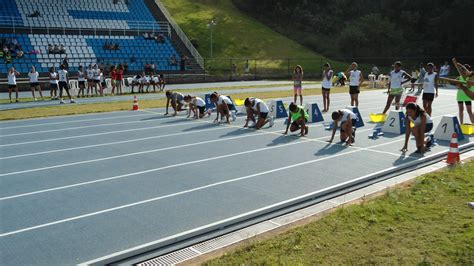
<point>53,83</point>
<point>34,83</point>
<point>397,78</point>
<point>430,88</point>
<point>356,78</point>
<point>12,74</point>
<point>63,84</point>
<point>326,86</point>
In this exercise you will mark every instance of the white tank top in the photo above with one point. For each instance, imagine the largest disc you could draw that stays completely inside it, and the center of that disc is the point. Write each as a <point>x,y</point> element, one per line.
<point>11,78</point>
<point>327,83</point>
<point>417,121</point>
<point>223,99</point>
<point>62,75</point>
<point>263,106</point>
<point>80,76</point>
<point>33,77</point>
<point>54,75</point>
<point>429,83</point>
<point>396,79</point>
<point>199,102</point>
<point>355,78</point>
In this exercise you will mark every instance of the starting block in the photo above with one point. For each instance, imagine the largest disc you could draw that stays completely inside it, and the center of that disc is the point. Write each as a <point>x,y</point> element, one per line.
<point>328,125</point>
<point>315,114</point>
<point>355,110</point>
<point>277,109</point>
<point>233,103</point>
<point>209,104</point>
<point>376,133</point>
<point>395,123</point>
<point>449,124</point>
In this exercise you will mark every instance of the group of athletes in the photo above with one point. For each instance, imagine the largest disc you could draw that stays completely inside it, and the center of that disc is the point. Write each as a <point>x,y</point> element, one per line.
<point>419,116</point>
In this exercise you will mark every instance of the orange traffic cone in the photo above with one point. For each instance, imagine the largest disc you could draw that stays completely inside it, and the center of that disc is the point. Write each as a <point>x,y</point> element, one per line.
<point>453,155</point>
<point>135,104</point>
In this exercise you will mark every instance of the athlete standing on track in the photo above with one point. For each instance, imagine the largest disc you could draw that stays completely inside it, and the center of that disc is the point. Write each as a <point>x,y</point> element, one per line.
<point>397,78</point>
<point>348,121</point>
<point>12,74</point>
<point>53,83</point>
<point>81,79</point>
<point>298,83</point>
<point>34,83</point>
<point>90,81</point>
<point>326,86</point>
<point>63,85</point>
<point>462,97</point>
<point>257,107</point>
<point>356,78</point>
<point>430,85</point>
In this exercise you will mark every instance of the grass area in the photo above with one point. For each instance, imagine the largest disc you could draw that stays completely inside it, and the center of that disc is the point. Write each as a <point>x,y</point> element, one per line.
<point>71,109</point>
<point>423,223</point>
<point>238,35</point>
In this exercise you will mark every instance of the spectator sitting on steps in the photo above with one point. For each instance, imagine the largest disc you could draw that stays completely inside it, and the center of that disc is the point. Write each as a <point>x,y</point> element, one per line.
<point>173,60</point>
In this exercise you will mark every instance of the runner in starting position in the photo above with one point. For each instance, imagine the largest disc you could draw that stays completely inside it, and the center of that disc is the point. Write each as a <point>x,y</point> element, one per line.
<point>224,107</point>
<point>422,124</point>
<point>256,107</point>
<point>197,106</point>
<point>177,102</point>
<point>300,117</point>
<point>348,121</point>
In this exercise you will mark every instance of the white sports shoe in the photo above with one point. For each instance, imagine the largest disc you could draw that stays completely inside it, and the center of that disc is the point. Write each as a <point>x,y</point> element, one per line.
<point>73,101</point>
<point>271,121</point>
<point>234,117</point>
<point>61,102</point>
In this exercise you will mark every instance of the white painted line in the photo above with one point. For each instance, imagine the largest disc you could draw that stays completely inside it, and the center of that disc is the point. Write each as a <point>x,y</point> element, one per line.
<point>98,134</point>
<point>70,121</point>
<point>211,225</point>
<point>81,127</point>
<point>194,189</point>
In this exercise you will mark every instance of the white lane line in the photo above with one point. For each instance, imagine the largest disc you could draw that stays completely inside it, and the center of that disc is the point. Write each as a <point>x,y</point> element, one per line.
<point>189,190</point>
<point>180,164</point>
<point>233,218</point>
<point>71,121</point>
<point>98,134</point>
<point>118,156</point>
<point>81,127</point>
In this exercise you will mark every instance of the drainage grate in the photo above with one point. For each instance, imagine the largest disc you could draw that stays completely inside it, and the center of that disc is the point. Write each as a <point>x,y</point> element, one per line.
<point>172,258</point>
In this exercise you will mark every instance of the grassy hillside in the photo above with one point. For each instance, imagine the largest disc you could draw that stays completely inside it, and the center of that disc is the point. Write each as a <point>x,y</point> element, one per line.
<point>237,35</point>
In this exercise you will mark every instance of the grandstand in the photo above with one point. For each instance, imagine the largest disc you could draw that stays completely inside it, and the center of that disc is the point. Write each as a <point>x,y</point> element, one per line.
<point>138,30</point>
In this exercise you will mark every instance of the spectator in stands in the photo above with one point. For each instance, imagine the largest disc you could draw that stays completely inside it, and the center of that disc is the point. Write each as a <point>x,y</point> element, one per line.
<point>34,83</point>
<point>62,50</point>
<point>8,58</point>
<point>375,71</point>
<point>5,49</point>
<point>20,54</point>
<point>56,49</point>
<point>12,74</point>
<point>182,64</point>
<point>35,14</point>
<point>173,60</point>
<point>50,49</point>
<point>161,38</point>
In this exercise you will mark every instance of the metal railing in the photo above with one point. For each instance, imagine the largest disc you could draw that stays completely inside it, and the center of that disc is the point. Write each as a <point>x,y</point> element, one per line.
<point>184,38</point>
<point>16,25</point>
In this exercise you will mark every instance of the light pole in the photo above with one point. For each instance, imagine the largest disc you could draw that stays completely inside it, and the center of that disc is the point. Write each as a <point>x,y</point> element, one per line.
<point>211,25</point>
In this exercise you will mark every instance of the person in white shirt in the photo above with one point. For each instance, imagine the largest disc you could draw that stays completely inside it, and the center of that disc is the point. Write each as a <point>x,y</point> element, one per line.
<point>12,74</point>
<point>81,79</point>
<point>328,73</point>
<point>90,81</point>
<point>34,83</point>
<point>197,106</point>
<point>53,83</point>
<point>430,88</point>
<point>397,78</point>
<point>356,78</point>
<point>63,81</point>
<point>422,124</point>
<point>258,108</point>
<point>348,121</point>
<point>224,107</point>
<point>96,84</point>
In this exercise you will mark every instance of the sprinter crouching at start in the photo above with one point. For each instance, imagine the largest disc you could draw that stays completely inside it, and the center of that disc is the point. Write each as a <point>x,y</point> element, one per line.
<point>224,107</point>
<point>348,120</point>
<point>257,108</point>
<point>300,117</point>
